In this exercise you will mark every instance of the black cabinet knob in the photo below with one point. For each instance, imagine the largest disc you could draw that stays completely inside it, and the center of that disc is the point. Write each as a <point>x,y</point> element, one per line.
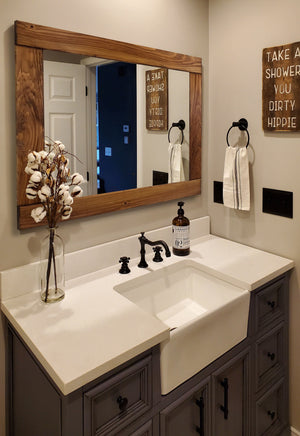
<point>271,304</point>
<point>122,402</point>
<point>271,414</point>
<point>271,355</point>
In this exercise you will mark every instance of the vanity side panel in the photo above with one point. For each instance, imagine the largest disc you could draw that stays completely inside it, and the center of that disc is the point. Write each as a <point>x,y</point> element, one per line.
<point>36,406</point>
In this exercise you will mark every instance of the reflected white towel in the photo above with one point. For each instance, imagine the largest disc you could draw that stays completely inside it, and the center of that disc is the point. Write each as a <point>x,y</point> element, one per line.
<point>236,186</point>
<point>176,173</point>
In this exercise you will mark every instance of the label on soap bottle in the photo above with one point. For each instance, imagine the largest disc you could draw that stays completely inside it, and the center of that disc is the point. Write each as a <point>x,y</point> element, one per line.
<point>181,237</point>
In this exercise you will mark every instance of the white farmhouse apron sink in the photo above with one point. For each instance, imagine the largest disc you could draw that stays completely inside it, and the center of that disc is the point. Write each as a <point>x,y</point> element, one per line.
<point>207,316</point>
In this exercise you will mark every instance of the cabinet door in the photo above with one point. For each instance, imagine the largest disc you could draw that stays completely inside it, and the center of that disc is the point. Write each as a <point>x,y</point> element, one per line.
<point>230,384</point>
<point>189,415</point>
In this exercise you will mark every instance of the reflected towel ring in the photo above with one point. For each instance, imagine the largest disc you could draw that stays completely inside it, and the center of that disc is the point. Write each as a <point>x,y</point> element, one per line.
<point>181,126</point>
<point>242,124</point>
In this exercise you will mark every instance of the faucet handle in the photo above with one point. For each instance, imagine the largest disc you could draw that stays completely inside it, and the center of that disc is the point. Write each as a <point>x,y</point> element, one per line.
<point>124,267</point>
<point>157,257</point>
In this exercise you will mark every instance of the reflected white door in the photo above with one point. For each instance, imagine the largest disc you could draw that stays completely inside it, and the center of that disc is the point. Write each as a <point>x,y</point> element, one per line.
<point>65,112</point>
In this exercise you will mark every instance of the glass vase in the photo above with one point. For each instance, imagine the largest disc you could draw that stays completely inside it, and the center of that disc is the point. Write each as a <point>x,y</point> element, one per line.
<point>52,268</point>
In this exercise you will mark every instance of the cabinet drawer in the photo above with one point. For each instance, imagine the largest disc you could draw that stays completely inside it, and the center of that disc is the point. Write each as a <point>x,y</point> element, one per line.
<point>270,304</point>
<point>115,403</point>
<point>269,355</point>
<point>272,411</point>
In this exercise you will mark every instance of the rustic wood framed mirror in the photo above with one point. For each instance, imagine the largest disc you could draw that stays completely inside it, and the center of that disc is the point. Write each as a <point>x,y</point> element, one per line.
<point>30,41</point>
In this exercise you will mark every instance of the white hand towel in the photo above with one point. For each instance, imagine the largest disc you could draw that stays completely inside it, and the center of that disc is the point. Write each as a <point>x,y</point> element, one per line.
<point>236,186</point>
<point>176,173</point>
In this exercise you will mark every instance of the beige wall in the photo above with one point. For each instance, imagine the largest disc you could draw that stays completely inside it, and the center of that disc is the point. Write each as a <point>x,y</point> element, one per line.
<point>238,31</point>
<point>167,24</point>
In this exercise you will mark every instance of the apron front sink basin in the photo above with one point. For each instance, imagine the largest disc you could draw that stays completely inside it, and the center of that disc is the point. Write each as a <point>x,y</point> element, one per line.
<point>206,315</point>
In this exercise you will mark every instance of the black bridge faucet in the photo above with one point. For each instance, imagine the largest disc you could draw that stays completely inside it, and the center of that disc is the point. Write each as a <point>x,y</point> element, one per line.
<point>143,240</point>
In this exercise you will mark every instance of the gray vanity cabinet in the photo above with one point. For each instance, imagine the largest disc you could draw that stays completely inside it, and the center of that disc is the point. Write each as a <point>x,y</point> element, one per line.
<point>242,393</point>
<point>230,397</point>
<point>270,359</point>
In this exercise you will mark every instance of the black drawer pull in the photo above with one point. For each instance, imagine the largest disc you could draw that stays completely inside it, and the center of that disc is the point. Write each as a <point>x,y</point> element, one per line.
<point>224,408</point>
<point>271,414</point>
<point>271,304</point>
<point>122,401</point>
<point>271,355</point>
<point>200,404</point>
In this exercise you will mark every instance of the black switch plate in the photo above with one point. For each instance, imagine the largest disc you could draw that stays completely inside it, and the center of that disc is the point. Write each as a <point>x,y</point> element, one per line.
<point>278,202</point>
<point>218,192</point>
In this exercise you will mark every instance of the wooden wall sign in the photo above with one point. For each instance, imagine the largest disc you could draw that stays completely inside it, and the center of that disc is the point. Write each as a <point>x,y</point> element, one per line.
<point>157,99</point>
<point>281,88</point>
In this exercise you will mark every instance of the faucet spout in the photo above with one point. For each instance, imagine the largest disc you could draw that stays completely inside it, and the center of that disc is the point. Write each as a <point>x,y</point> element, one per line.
<point>145,241</point>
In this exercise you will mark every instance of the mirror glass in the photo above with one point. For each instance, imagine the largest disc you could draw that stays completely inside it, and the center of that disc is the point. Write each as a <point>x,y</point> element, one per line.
<point>97,108</point>
<point>144,181</point>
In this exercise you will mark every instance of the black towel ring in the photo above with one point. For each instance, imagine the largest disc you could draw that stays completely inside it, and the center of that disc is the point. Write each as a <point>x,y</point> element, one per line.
<point>181,126</point>
<point>242,124</point>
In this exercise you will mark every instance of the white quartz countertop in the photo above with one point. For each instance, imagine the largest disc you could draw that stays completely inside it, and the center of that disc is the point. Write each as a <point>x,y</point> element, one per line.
<point>95,329</point>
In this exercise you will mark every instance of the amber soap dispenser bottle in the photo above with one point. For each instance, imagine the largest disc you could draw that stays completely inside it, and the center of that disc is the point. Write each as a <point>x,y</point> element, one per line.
<point>181,233</point>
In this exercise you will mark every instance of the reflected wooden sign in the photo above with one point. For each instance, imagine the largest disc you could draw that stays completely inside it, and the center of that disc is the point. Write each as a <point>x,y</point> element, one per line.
<point>281,88</point>
<point>157,99</point>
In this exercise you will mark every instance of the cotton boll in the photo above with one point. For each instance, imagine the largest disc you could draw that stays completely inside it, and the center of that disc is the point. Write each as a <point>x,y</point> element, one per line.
<point>31,193</point>
<point>67,199</point>
<point>62,189</point>
<point>43,154</point>
<point>77,191</point>
<point>76,179</point>
<point>37,156</point>
<point>31,168</point>
<point>38,214</point>
<point>36,177</point>
<point>31,158</point>
<point>66,212</point>
<point>44,193</point>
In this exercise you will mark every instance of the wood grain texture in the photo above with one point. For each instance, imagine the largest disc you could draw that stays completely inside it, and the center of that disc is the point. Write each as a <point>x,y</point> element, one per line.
<point>29,111</point>
<point>30,114</point>
<point>120,200</point>
<point>33,35</point>
<point>195,125</point>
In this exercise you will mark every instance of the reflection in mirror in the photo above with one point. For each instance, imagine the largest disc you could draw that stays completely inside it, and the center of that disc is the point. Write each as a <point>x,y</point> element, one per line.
<point>97,107</point>
<point>30,42</point>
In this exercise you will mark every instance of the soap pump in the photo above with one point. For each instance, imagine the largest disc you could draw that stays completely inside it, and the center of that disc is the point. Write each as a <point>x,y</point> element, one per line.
<point>181,233</point>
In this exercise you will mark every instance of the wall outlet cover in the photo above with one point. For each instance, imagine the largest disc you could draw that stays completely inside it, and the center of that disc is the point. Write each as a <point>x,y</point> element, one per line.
<point>278,202</point>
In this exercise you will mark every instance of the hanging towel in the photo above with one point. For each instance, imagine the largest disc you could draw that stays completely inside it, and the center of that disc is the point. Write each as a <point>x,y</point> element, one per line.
<point>176,173</point>
<point>236,186</point>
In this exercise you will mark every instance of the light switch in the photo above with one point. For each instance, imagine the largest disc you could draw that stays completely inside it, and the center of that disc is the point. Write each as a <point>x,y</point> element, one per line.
<point>126,140</point>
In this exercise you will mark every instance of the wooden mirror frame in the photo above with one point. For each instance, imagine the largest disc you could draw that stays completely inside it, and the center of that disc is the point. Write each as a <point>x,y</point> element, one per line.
<point>30,40</point>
